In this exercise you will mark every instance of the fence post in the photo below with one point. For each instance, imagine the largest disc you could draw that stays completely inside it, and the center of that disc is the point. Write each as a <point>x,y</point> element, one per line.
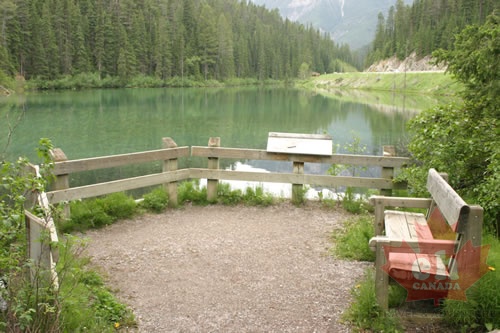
<point>297,189</point>
<point>388,172</point>
<point>170,165</point>
<point>61,182</point>
<point>213,163</point>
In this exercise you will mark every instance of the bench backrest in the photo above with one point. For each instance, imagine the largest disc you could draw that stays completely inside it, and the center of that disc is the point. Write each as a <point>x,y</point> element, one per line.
<point>454,209</point>
<point>463,219</point>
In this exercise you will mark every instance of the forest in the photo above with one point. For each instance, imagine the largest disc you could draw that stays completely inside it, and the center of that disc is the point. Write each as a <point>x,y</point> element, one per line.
<point>425,26</point>
<point>209,39</point>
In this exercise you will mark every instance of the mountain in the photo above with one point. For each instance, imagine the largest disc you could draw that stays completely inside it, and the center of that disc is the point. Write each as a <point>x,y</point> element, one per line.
<point>349,21</point>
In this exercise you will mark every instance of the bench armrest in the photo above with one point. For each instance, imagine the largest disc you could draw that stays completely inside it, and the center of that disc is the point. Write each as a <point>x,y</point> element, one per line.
<point>404,202</point>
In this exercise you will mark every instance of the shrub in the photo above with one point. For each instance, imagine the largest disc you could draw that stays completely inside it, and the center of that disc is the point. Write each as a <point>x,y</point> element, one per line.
<point>482,310</point>
<point>155,201</point>
<point>96,213</point>
<point>257,197</point>
<point>227,196</point>
<point>87,304</point>
<point>118,205</point>
<point>299,195</point>
<point>189,191</point>
<point>352,241</point>
<point>365,313</point>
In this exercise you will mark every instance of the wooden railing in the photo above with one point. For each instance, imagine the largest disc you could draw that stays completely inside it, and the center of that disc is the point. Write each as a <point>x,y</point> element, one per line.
<point>214,153</point>
<point>41,236</point>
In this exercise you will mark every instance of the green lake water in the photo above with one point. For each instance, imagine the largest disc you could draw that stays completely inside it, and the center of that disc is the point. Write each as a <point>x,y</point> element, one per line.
<point>105,122</point>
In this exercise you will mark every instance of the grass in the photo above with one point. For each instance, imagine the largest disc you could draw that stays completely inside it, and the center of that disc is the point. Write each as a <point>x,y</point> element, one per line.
<point>388,90</point>
<point>103,211</point>
<point>431,83</point>
<point>88,305</point>
<point>352,241</point>
<point>364,312</point>
<point>480,313</point>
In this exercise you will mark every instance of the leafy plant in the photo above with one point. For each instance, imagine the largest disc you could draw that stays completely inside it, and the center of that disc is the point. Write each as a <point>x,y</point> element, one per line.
<point>87,304</point>
<point>28,306</point>
<point>227,196</point>
<point>299,195</point>
<point>365,313</point>
<point>351,202</point>
<point>257,197</point>
<point>99,212</point>
<point>189,191</point>
<point>156,201</point>
<point>351,242</point>
<point>481,311</point>
<point>463,139</point>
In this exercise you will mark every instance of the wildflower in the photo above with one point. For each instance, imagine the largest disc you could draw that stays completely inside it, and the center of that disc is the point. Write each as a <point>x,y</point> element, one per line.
<point>117,325</point>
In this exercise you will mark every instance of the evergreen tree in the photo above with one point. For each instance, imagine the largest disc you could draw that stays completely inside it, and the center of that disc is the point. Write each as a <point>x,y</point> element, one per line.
<point>208,40</point>
<point>225,52</point>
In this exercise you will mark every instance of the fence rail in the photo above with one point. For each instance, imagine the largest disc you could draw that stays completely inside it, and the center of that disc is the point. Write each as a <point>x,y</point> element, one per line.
<point>41,236</point>
<point>41,232</point>
<point>213,152</point>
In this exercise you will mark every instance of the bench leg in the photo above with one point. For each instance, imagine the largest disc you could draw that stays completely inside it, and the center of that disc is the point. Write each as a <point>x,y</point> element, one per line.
<point>381,278</point>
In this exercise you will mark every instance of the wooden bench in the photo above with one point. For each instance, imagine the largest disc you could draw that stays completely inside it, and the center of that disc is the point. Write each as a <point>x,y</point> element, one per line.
<point>412,246</point>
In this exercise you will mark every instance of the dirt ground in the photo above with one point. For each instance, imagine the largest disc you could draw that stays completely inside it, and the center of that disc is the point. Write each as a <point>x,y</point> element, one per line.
<point>229,269</point>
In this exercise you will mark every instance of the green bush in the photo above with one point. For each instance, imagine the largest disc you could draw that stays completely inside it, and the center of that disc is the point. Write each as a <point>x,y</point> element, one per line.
<point>155,201</point>
<point>365,313</point>
<point>118,205</point>
<point>227,196</point>
<point>257,197</point>
<point>82,302</point>
<point>481,311</point>
<point>352,241</point>
<point>299,195</point>
<point>189,191</point>
<point>96,213</point>
<point>87,304</point>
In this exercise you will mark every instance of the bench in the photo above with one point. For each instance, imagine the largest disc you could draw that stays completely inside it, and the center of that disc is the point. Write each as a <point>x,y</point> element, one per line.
<point>421,251</point>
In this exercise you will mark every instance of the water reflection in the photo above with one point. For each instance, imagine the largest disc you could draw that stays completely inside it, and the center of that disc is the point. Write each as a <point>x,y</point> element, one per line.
<point>105,122</point>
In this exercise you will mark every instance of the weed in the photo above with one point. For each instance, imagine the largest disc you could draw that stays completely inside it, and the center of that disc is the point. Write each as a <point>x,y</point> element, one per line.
<point>87,304</point>
<point>365,313</point>
<point>190,191</point>
<point>482,310</point>
<point>257,197</point>
<point>227,196</point>
<point>155,201</point>
<point>299,195</point>
<point>99,212</point>
<point>352,242</point>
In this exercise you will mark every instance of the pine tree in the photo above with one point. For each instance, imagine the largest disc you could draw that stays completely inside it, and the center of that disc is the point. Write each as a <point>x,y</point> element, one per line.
<point>207,40</point>
<point>225,54</point>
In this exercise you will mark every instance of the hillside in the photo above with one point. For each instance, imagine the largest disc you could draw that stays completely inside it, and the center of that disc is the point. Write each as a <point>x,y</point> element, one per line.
<point>348,21</point>
<point>425,26</point>
<point>186,39</point>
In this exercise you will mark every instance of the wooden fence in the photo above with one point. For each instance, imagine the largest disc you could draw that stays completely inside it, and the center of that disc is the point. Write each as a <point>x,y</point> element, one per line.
<point>41,237</point>
<point>170,174</point>
<point>41,232</point>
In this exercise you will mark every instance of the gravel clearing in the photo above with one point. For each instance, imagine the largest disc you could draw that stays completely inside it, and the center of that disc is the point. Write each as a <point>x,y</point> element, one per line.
<point>229,269</point>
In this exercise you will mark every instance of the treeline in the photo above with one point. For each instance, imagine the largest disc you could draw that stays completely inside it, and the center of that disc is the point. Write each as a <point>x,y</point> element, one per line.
<point>425,26</point>
<point>198,39</point>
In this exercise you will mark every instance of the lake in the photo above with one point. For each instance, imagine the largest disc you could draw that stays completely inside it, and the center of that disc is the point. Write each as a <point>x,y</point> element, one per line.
<point>104,122</point>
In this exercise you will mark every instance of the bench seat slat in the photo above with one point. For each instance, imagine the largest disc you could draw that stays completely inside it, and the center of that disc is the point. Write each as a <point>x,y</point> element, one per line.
<point>406,225</point>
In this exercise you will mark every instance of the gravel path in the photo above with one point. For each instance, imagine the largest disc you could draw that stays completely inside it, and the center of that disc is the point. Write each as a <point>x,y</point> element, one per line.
<point>229,269</point>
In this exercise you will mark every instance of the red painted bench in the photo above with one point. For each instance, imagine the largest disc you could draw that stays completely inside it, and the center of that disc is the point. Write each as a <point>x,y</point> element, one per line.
<point>422,251</point>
